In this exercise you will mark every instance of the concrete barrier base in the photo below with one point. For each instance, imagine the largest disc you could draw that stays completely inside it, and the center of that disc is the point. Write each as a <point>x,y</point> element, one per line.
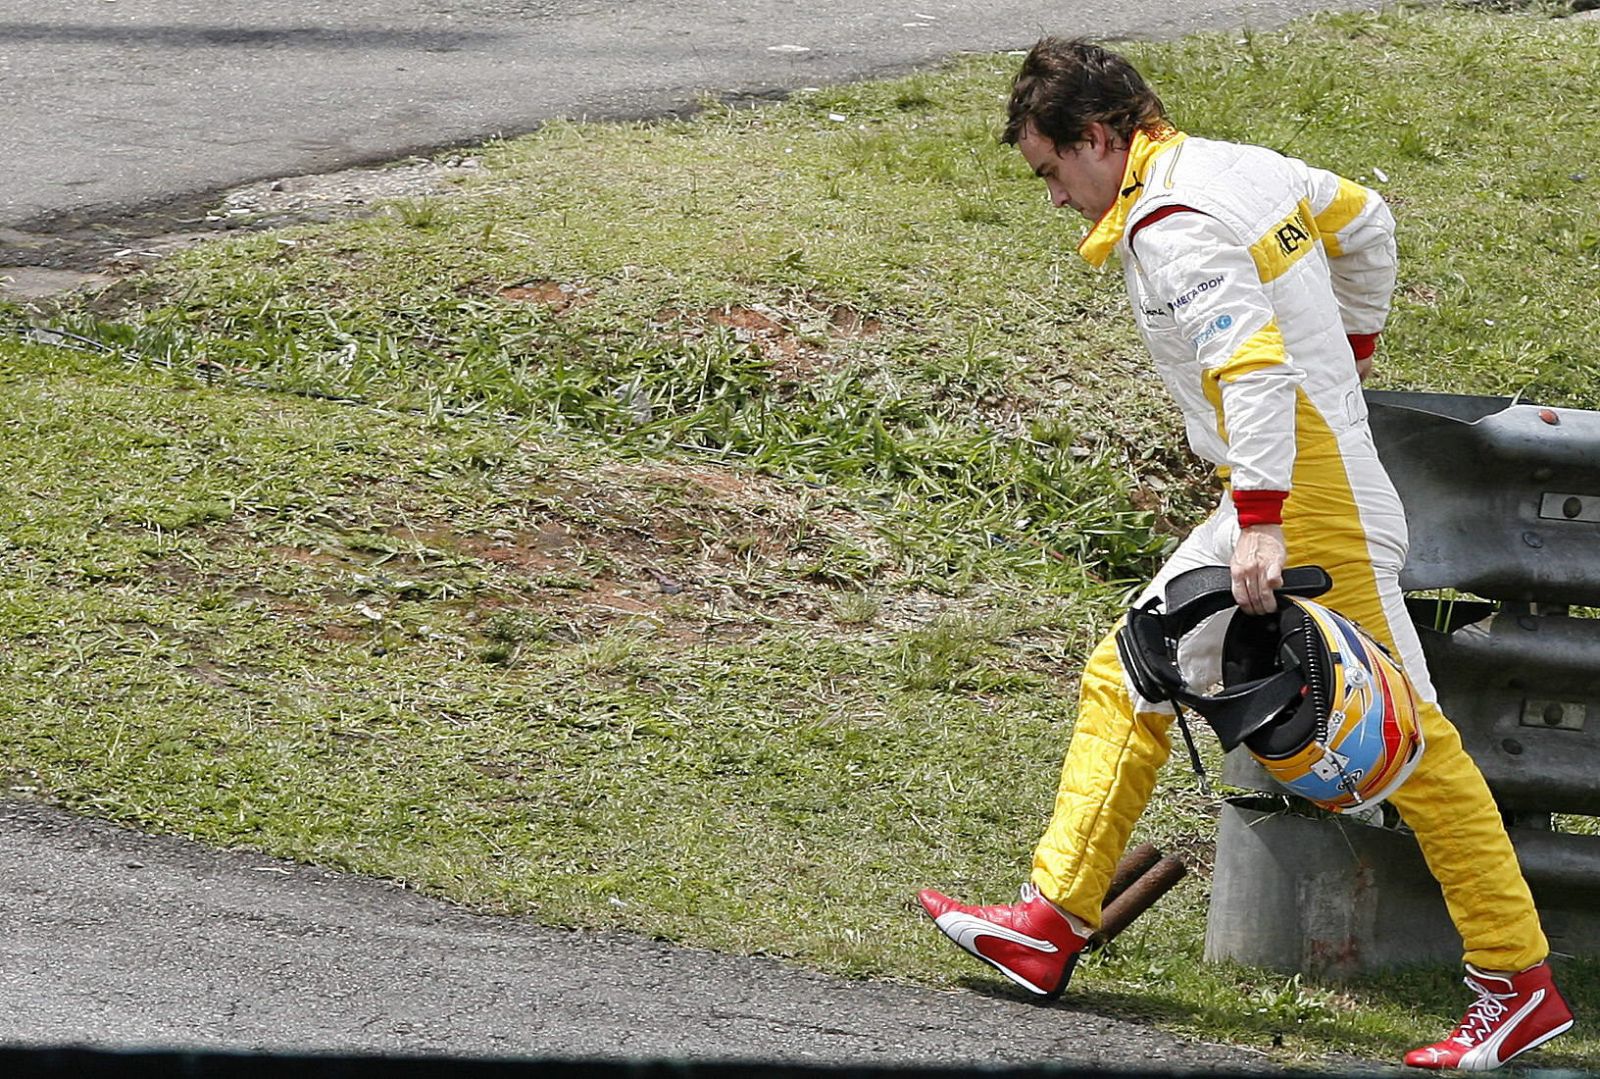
<point>1327,898</point>
<point>1333,898</point>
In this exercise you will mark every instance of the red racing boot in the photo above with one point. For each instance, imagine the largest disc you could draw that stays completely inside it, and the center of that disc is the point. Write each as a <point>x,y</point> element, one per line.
<point>1513,1013</point>
<point>1033,942</point>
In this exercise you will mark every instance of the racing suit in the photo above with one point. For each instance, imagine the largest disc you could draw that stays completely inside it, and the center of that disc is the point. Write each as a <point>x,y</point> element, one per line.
<point>1255,279</point>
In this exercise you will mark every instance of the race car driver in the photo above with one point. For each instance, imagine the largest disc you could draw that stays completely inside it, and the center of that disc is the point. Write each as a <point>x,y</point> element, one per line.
<point>1260,285</point>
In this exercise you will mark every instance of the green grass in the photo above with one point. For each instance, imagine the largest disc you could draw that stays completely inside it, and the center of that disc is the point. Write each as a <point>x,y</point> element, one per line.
<point>695,528</point>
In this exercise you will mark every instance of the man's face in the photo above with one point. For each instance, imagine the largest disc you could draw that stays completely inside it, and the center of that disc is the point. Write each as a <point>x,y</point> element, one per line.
<point>1085,176</point>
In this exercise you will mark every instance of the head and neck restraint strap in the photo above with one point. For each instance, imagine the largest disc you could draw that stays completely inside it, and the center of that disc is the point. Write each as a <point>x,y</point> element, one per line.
<point>1147,644</point>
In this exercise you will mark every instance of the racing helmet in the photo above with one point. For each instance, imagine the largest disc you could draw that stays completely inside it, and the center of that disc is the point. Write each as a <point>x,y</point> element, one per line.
<point>1310,695</point>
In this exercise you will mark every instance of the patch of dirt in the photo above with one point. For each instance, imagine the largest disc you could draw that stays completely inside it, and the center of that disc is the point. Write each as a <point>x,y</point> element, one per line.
<point>796,339</point>
<point>697,553</point>
<point>685,547</point>
<point>685,550</point>
<point>327,196</point>
<point>207,674</point>
<point>542,549</point>
<point>1421,293</point>
<point>749,320</point>
<point>344,632</point>
<point>306,556</point>
<point>852,324</point>
<point>42,282</point>
<point>63,254</point>
<point>556,295</point>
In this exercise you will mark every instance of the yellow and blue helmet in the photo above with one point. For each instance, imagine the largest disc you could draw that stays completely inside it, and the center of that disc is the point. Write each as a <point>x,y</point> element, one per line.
<point>1310,695</point>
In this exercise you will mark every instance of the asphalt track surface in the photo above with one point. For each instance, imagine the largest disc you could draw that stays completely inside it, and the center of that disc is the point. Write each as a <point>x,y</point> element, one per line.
<point>116,939</point>
<point>116,105</point>
<point>120,110</point>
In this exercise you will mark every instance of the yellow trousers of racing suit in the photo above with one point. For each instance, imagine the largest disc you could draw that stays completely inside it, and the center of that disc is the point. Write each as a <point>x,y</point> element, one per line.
<point>1344,516</point>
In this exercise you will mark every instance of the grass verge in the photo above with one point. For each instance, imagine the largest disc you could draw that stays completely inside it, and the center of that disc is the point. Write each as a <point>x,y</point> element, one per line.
<point>695,528</point>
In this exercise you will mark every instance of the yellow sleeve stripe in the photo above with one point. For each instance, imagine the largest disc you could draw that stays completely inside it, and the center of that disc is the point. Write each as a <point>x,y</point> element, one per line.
<point>1260,350</point>
<point>1285,243</point>
<point>1345,208</point>
<point>1213,391</point>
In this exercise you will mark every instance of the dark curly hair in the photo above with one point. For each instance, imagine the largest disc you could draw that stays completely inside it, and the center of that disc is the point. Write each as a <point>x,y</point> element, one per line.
<point>1066,85</point>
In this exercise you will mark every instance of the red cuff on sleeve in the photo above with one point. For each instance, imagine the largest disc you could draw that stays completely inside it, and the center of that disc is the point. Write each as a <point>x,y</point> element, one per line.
<point>1259,507</point>
<point>1363,344</point>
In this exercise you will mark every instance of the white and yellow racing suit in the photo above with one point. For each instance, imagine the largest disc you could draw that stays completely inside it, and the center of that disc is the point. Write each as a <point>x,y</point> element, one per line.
<point>1255,280</point>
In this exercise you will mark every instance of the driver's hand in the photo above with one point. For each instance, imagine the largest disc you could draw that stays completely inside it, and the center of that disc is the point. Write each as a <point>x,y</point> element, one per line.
<point>1258,560</point>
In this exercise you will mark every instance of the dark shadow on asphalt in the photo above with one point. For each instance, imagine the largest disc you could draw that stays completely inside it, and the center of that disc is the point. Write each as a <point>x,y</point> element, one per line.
<point>192,37</point>
<point>1260,1030</point>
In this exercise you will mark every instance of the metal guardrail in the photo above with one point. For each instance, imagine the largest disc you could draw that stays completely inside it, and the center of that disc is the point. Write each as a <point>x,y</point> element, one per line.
<point>1524,691</point>
<point>1503,497</point>
<point>1503,502</point>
